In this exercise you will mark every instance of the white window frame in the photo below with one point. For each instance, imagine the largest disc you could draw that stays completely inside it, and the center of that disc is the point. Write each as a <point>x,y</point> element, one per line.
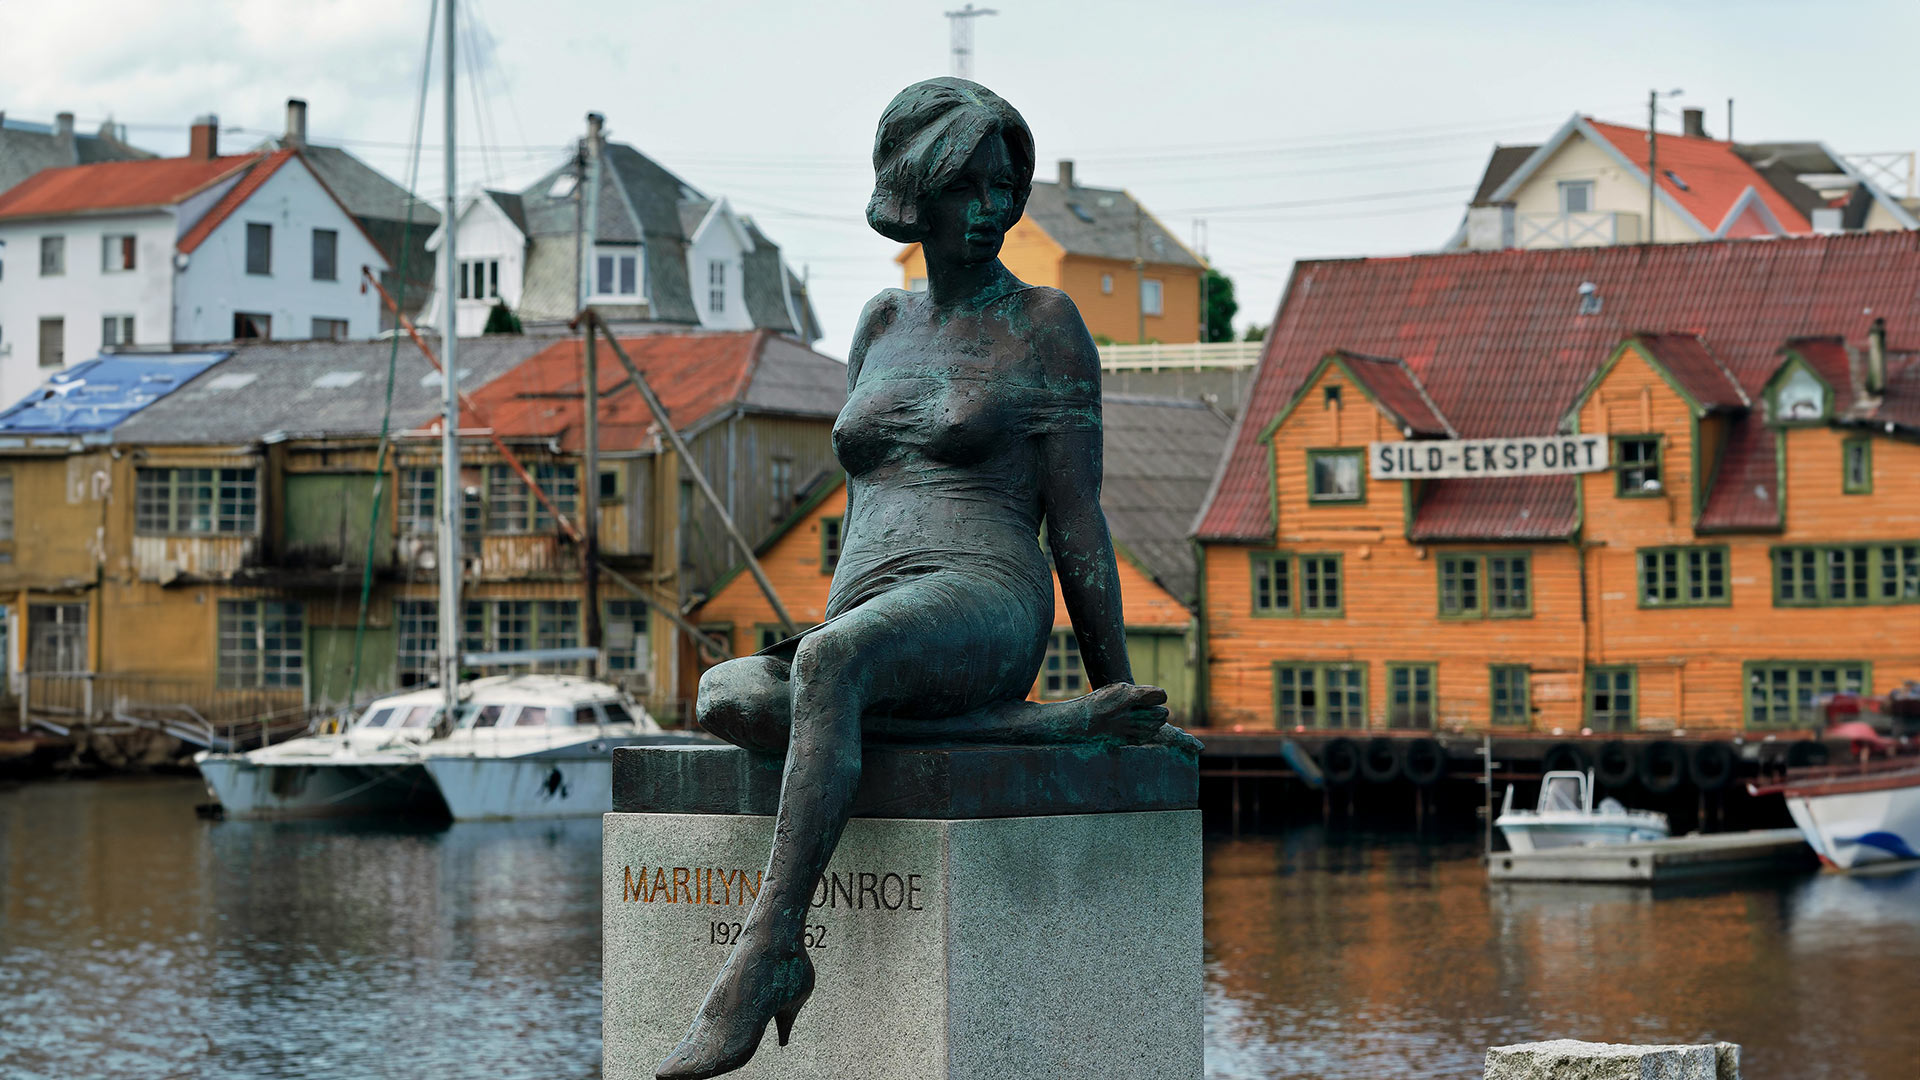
<point>122,248</point>
<point>1586,190</point>
<point>121,327</point>
<point>1153,296</point>
<point>608,262</point>
<point>717,286</point>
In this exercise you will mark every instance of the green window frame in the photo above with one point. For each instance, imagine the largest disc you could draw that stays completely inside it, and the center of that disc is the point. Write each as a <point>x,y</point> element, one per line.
<point>1613,697</point>
<point>1062,675</point>
<point>830,535</point>
<point>1636,463</point>
<point>513,625</point>
<point>1306,584</point>
<point>1856,466</point>
<point>1846,575</point>
<point>196,502</point>
<point>1320,695</point>
<point>262,645</point>
<point>767,635</point>
<point>1509,695</point>
<point>1784,694</point>
<point>1684,577</point>
<point>416,641</point>
<point>1413,693</point>
<point>1336,476</point>
<point>512,507</point>
<point>1486,585</point>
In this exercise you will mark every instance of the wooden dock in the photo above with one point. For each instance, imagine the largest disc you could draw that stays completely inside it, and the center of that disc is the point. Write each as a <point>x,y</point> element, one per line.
<point>1675,859</point>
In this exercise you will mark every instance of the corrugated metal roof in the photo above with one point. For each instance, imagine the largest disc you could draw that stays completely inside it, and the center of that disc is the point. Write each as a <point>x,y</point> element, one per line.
<point>1698,371</point>
<point>1746,487</point>
<point>1395,388</point>
<point>696,375</point>
<point>1499,342</point>
<point>299,388</point>
<point>99,394</point>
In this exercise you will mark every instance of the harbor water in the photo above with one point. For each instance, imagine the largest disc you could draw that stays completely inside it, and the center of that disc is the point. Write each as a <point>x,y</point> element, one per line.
<point>137,940</point>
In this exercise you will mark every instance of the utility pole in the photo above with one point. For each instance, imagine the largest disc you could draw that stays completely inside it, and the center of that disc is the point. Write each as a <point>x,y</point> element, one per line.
<point>961,24</point>
<point>1729,119</point>
<point>586,206</point>
<point>1653,159</point>
<point>1206,276</point>
<point>590,427</point>
<point>1140,272</point>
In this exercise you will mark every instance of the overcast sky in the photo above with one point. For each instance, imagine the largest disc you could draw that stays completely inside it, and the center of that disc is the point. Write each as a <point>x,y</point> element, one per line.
<point>1294,130</point>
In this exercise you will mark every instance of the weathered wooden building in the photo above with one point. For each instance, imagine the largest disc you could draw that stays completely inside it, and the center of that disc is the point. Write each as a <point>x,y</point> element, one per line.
<point>1159,455</point>
<point>208,548</point>
<point>1746,538</point>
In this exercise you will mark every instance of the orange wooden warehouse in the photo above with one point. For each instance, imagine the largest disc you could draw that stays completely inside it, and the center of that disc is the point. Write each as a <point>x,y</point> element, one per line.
<point>1718,523</point>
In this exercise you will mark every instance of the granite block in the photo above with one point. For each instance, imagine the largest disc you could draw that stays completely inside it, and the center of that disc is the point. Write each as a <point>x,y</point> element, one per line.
<point>1570,1059</point>
<point>1065,947</point>
<point>918,782</point>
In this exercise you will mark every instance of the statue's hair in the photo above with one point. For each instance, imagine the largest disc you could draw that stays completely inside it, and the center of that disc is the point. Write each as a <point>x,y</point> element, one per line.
<point>926,135</point>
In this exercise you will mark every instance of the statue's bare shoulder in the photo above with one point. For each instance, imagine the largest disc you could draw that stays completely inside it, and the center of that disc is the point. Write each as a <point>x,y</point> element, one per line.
<point>1059,335</point>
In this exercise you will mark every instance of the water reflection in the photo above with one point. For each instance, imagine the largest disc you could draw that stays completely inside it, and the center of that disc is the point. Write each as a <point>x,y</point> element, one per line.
<point>138,941</point>
<point>1381,955</point>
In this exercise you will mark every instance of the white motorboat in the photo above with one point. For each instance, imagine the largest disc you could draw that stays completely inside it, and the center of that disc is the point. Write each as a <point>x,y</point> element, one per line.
<point>537,746</point>
<point>1565,816</point>
<point>1855,816</point>
<point>369,767</point>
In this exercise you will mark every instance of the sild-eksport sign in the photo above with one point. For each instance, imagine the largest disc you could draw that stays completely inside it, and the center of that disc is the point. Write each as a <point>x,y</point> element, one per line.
<point>1460,458</point>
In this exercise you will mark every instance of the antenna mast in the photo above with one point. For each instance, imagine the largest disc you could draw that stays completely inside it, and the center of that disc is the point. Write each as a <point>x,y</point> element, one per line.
<point>962,25</point>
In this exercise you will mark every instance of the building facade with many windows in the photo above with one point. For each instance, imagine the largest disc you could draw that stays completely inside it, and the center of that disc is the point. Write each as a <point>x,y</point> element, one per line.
<point>1726,531</point>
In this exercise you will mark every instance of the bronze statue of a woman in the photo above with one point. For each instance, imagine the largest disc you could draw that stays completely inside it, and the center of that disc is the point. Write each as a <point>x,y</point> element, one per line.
<point>972,418</point>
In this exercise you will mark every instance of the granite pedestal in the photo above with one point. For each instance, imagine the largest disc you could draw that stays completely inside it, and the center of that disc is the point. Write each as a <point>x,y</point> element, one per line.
<point>990,914</point>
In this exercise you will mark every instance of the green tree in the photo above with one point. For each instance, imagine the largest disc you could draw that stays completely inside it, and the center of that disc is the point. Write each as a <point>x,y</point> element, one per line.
<point>1255,332</point>
<point>1221,306</point>
<point>502,320</point>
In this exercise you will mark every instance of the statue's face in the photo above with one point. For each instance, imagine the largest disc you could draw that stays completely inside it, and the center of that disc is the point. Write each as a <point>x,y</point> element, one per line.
<point>970,216</point>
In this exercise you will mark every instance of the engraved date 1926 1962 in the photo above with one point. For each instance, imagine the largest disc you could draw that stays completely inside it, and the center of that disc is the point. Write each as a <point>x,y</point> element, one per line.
<point>728,933</point>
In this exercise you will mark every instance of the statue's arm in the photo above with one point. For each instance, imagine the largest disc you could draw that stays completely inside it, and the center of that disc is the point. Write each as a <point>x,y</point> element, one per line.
<point>1070,468</point>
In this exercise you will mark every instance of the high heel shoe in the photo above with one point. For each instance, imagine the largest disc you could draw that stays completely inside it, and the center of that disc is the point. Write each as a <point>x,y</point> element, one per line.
<point>727,1030</point>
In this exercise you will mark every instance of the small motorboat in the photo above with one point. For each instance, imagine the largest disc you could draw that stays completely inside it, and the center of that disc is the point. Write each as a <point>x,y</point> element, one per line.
<point>1565,816</point>
<point>1855,815</point>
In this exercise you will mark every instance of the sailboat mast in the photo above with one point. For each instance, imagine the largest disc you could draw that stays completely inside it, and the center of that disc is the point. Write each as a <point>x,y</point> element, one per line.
<point>451,490</point>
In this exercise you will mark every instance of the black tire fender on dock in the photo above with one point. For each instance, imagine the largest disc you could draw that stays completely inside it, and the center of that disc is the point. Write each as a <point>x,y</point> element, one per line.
<point>1424,761</point>
<point>1340,761</point>
<point>1381,762</point>
<point>1712,765</point>
<point>1564,756</point>
<point>1662,766</point>
<point>1807,754</point>
<point>1616,764</point>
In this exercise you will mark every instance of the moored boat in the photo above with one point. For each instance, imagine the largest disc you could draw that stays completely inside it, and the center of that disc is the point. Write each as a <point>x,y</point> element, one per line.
<point>1565,816</point>
<point>1855,816</point>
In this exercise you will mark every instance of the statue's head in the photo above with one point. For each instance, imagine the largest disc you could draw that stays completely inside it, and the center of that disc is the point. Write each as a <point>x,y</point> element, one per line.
<point>952,166</point>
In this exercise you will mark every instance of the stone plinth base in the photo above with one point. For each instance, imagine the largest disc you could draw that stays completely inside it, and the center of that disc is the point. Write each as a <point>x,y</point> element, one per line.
<point>1567,1059</point>
<point>1060,947</point>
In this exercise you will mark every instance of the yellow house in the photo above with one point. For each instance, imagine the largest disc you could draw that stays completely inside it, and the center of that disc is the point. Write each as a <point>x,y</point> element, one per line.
<point>1131,278</point>
<point>1587,186</point>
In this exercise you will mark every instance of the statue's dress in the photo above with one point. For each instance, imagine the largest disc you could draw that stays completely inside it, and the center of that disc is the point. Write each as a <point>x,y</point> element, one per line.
<point>941,535</point>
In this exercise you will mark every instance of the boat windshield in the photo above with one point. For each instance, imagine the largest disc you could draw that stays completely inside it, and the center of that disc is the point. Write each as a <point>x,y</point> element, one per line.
<point>618,714</point>
<point>1561,793</point>
<point>377,718</point>
<point>532,716</point>
<point>420,716</point>
<point>489,715</point>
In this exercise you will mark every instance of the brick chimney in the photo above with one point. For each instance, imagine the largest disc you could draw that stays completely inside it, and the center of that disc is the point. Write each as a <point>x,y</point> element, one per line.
<point>1694,122</point>
<point>203,141</point>
<point>1877,358</point>
<point>1066,172</point>
<point>296,122</point>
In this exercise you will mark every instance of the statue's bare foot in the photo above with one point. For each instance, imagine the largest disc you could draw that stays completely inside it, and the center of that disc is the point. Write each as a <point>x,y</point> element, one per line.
<point>1123,711</point>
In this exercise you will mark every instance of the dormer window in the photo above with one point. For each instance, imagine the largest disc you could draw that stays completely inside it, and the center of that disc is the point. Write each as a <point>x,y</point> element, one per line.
<point>1576,196</point>
<point>616,272</point>
<point>1800,397</point>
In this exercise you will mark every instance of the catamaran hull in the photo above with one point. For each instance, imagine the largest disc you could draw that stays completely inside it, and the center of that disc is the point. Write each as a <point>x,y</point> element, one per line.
<point>247,790</point>
<point>1849,830</point>
<point>548,786</point>
<point>1545,836</point>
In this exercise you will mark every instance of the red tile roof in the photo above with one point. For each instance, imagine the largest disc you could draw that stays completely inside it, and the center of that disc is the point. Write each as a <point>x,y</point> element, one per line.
<point>235,196</point>
<point>693,374</point>
<point>1711,176</point>
<point>1901,402</point>
<point>1746,490</point>
<point>1395,388</point>
<point>1499,343</point>
<point>117,185</point>
<point>1693,365</point>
